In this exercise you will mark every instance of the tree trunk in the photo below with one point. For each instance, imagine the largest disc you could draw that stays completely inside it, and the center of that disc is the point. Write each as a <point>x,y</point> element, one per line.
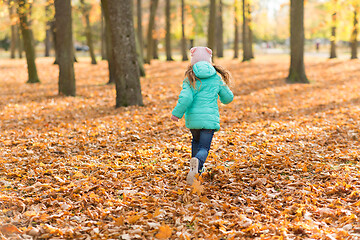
<point>109,51</point>
<point>183,39</point>
<point>354,34</point>
<point>53,34</point>
<point>13,40</point>
<point>139,57</point>
<point>65,47</point>
<point>333,36</point>
<point>20,42</point>
<point>103,37</point>
<point>251,50</point>
<point>212,25</point>
<point>220,31</point>
<point>297,39</point>
<point>156,44</point>
<point>150,44</point>
<point>245,33</point>
<point>47,31</point>
<point>168,32</point>
<point>140,36</point>
<point>86,12</point>
<point>28,42</point>
<point>128,89</point>
<point>236,32</point>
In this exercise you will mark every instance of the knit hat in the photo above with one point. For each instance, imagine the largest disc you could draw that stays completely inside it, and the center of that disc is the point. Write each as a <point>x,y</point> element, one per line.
<point>199,54</point>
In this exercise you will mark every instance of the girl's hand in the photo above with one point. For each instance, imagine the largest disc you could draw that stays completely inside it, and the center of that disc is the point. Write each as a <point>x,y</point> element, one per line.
<point>174,118</point>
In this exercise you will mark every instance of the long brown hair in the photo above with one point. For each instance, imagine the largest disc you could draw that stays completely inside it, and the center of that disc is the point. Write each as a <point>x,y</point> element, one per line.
<point>192,77</point>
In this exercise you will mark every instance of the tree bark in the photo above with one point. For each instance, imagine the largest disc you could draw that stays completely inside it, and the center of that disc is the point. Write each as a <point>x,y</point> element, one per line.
<point>212,25</point>
<point>28,41</point>
<point>109,51</point>
<point>220,31</point>
<point>297,39</point>
<point>88,33</point>
<point>168,31</point>
<point>128,89</point>
<point>13,40</point>
<point>150,44</point>
<point>183,39</point>
<point>245,33</point>
<point>354,42</point>
<point>65,47</point>
<point>236,30</point>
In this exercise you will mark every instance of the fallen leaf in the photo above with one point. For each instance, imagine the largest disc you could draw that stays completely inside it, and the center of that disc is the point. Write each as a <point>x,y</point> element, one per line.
<point>164,232</point>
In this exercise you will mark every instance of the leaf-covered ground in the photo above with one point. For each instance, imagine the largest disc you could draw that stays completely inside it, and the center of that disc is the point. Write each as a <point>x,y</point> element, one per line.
<point>285,164</point>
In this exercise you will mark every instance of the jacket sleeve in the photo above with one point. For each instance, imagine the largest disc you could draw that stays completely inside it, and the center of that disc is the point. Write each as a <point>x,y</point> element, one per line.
<point>226,95</point>
<point>185,100</point>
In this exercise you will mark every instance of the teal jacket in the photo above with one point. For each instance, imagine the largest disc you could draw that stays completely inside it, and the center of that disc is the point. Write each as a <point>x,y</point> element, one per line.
<point>200,105</point>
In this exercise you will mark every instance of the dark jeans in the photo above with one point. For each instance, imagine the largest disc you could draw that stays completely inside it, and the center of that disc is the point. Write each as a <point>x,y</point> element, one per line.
<point>200,144</point>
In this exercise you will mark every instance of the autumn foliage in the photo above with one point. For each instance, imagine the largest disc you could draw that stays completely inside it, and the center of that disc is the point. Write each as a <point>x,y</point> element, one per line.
<point>284,165</point>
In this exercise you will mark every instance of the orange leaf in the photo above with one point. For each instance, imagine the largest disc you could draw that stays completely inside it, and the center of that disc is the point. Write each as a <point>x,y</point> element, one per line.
<point>8,229</point>
<point>164,232</point>
<point>197,188</point>
<point>132,219</point>
<point>157,212</point>
<point>119,221</point>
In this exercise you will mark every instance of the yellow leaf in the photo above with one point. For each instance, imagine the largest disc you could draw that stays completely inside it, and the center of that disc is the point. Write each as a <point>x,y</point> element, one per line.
<point>79,175</point>
<point>164,232</point>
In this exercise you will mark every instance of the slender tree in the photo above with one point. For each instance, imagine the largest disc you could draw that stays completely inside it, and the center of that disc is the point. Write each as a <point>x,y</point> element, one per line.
<point>183,39</point>
<point>150,44</point>
<point>85,8</point>
<point>354,41</point>
<point>20,41</point>
<point>109,48</point>
<point>250,30</point>
<point>139,57</point>
<point>47,40</point>
<point>65,47</point>
<point>23,10</point>
<point>236,30</point>
<point>155,42</point>
<point>128,89</point>
<point>13,40</point>
<point>212,25</point>
<point>168,31</point>
<point>103,37</point>
<point>140,36</point>
<point>53,34</point>
<point>245,33</point>
<point>220,31</point>
<point>333,30</point>
<point>297,39</point>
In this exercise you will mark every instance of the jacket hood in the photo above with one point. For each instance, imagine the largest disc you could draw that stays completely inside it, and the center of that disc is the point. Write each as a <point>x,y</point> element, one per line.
<point>204,69</point>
